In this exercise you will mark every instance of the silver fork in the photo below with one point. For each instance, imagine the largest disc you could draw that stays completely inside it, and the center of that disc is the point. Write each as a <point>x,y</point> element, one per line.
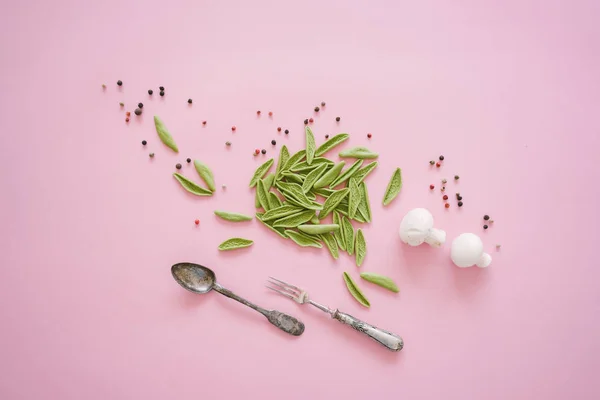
<point>390,340</point>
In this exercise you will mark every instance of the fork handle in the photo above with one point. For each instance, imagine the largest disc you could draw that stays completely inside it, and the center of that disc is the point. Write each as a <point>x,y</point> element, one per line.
<point>390,340</point>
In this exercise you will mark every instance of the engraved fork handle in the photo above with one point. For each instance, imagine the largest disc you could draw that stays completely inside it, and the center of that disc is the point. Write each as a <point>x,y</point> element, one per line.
<point>390,340</point>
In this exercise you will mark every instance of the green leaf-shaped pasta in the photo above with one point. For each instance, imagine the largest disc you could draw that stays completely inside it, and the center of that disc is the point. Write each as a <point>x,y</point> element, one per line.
<point>348,235</point>
<point>311,178</point>
<point>280,212</point>
<point>353,197</point>
<point>205,174</point>
<point>260,172</point>
<point>329,176</point>
<point>318,229</point>
<point>233,217</point>
<point>393,188</point>
<point>332,202</point>
<point>362,173</point>
<point>339,234</point>
<point>310,145</point>
<point>360,247</point>
<point>279,231</point>
<point>235,243</point>
<point>358,152</point>
<point>347,174</point>
<point>355,291</point>
<point>303,240</point>
<point>284,156</point>
<point>331,143</point>
<point>331,244</point>
<point>191,186</point>
<point>294,220</point>
<point>164,135</point>
<point>380,280</point>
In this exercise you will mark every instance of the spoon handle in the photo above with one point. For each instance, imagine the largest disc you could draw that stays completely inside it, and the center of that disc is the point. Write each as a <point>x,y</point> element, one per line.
<point>283,321</point>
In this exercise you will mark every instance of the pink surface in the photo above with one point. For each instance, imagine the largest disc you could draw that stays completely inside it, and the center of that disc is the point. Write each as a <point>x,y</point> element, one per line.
<point>507,91</point>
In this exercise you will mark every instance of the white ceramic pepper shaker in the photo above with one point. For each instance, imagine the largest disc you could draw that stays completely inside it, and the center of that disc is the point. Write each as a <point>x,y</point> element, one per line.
<point>467,250</point>
<point>417,227</point>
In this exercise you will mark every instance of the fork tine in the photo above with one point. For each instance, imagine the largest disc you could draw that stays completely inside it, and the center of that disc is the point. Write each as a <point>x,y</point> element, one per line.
<point>284,288</point>
<point>282,293</point>
<point>286,284</point>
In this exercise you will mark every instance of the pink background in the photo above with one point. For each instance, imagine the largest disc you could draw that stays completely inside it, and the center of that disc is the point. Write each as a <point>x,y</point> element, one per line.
<point>507,91</point>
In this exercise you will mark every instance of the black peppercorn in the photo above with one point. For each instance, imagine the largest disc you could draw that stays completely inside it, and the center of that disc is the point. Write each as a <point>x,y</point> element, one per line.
<point>150,91</point>
<point>189,160</point>
<point>441,158</point>
<point>460,203</point>
<point>190,101</point>
<point>486,217</point>
<point>162,93</point>
<point>138,111</point>
<point>178,166</point>
<point>141,105</point>
<point>459,198</point>
<point>162,88</point>
<point>326,136</point>
<point>144,142</point>
<point>322,104</point>
<point>287,131</point>
<point>151,155</point>
<point>485,227</point>
<point>273,142</point>
<point>263,151</point>
<point>432,162</point>
<point>337,119</point>
<point>120,83</point>
<point>306,122</point>
<point>456,177</point>
<point>317,109</point>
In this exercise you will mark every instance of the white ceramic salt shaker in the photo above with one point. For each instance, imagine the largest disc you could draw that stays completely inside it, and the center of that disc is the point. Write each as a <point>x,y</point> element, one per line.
<point>417,227</point>
<point>467,250</point>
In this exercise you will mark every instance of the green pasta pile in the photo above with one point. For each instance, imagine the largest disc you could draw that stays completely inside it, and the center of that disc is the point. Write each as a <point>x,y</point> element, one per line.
<point>306,188</point>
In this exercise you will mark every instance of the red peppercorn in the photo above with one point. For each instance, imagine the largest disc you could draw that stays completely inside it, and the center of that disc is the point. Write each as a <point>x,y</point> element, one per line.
<point>128,113</point>
<point>233,128</point>
<point>431,187</point>
<point>126,119</point>
<point>447,205</point>
<point>203,122</point>
<point>311,120</point>
<point>256,151</point>
<point>438,164</point>
<point>197,222</point>
<point>270,113</point>
<point>369,135</point>
<point>445,197</point>
<point>258,112</point>
<point>278,129</point>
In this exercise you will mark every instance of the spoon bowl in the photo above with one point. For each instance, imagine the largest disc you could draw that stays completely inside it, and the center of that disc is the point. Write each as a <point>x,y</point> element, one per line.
<point>194,277</point>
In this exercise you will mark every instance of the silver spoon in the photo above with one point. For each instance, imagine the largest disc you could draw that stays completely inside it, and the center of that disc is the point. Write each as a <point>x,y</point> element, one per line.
<point>199,279</point>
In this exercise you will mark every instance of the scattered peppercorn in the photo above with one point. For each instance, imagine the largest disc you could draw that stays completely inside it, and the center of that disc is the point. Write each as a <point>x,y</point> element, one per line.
<point>140,105</point>
<point>162,88</point>
<point>456,177</point>
<point>460,203</point>
<point>144,142</point>
<point>273,142</point>
<point>459,198</point>
<point>486,217</point>
<point>444,180</point>
<point>491,221</point>
<point>138,111</point>
<point>189,101</point>
<point>178,166</point>
<point>189,160</point>
<point>431,187</point>
<point>197,222</point>
<point>485,227</point>
<point>322,104</point>
<point>287,131</point>
<point>203,122</point>
<point>326,136</point>
<point>223,186</point>
<point>151,155</point>
<point>263,151</point>
<point>256,151</point>
<point>317,109</point>
<point>120,83</point>
<point>443,189</point>
<point>278,129</point>
<point>122,104</point>
<point>441,158</point>
<point>233,128</point>
<point>498,247</point>
<point>162,93</point>
<point>227,143</point>
<point>311,120</point>
<point>432,162</point>
<point>127,114</point>
<point>438,164</point>
<point>337,119</point>
<point>369,135</point>
<point>150,91</point>
<point>270,113</point>
<point>127,119</point>
<point>258,112</point>
<point>445,197</point>
<point>103,86</point>
<point>306,122</point>
<point>447,205</point>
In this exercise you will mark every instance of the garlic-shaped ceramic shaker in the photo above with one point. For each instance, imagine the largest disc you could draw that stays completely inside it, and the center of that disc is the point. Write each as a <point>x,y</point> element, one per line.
<point>467,250</point>
<point>417,227</point>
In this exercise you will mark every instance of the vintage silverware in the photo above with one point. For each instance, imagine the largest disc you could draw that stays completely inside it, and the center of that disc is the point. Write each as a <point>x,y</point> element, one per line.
<point>199,279</point>
<point>391,341</point>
